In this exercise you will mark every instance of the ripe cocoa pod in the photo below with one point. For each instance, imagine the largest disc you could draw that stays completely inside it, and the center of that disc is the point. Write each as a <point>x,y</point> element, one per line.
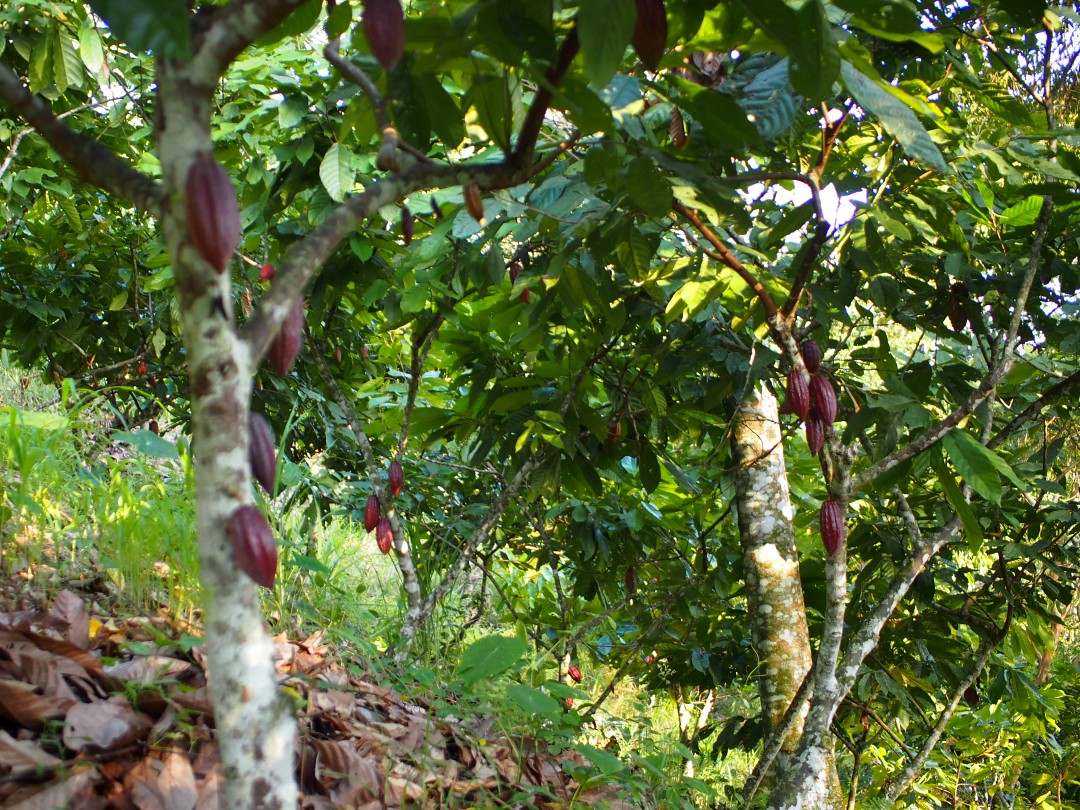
<point>372,512</point>
<point>337,355</point>
<point>473,203</point>
<point>406,224</point>
<point>823,398</point>
<point>286,344</point>
<point>212,212</point>
<point>266,273</point>
<point>811,355</point>
<point>815,433</point>
<point>614,432</point>
<point>254,549</point>
<point>396,477</point>
<point>677,129</point>
<point>515,271</point>
<point>833,530</point>
<point>574,673</point>
<point>650,32</point>
<point>384,28</point>
<point>384,535</point>
<point>262,451</point>
<point>631,580</point>
<point>798,393</point>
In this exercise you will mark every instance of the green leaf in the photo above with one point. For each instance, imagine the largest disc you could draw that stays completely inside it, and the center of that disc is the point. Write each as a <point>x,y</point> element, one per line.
<point>604,27</point>
<point>1024,213</point>
<point>648,467</point>
<point>974,463</point>
<point>159,26</point>
<point>488,657</point>
<point>336,172</point>
<point>894,115</point>
<point>40,72</point>
<point>491,97</point>
<point>648,188</point>
<point>972,528</point>
<point>339,20</point>
<point>67,67</point>
<point>93,56</point>
<point>977,448</point>
<point>608,764</point>
<point>148,443</point>
<point>815,63</point>
<point>533,700</point>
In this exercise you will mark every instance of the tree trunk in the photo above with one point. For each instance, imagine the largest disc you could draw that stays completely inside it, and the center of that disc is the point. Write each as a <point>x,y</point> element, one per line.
<point>771,567</point>
<point>256,728</point>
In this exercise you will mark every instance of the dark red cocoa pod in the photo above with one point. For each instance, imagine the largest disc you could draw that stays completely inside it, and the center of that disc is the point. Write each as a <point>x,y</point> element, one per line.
<point>406,224</point>
<point>266,273</point>
<point>798,393</point>
<point>254,549</point>
<point>384,535</point>
<point>262,451</point>
<point>372,512</point>
<point>286,344</point>
<point>212,212</point>
<point>631,580</point>
<point>650,32</point>
<point>833,530</point>
<point>823,398</point>
<point>396,477</point>
<point>384,28</point>
<point>811,355</point>
<point>515,271</point>
<point>815,433</point>
<point>574,673</point>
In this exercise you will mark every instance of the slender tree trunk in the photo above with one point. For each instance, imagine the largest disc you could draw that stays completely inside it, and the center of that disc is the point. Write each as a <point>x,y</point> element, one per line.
<point>771,567</point>
<point>254,719</point>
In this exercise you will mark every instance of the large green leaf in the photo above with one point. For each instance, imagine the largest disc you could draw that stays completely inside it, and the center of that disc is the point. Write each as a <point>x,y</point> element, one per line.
<point>158,26</point>
<point>604,27</point>
<point>488,656</point>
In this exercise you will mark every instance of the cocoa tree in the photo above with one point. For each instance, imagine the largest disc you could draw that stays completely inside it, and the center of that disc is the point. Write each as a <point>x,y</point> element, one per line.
<point>612,281</point>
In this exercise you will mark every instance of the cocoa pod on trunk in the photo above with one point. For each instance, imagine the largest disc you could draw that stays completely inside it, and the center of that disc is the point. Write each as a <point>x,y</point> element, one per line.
<point>815,433</point>
<point>286,344</point>
<point>396,477</point>
<point>372,512</point>
<point>384,535</point>
<point>262,451</point>
<point>798,393</point>
<point>823,398</point>
<point>650,32</point>
<point>833,530</point>
<point>254,549</point>
<point>811,355</point>
<point>212,212</point>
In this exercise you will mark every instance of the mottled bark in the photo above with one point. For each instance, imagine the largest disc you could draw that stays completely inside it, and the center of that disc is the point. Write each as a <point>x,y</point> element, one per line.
<point>254,719</point>
<point>771,567</point>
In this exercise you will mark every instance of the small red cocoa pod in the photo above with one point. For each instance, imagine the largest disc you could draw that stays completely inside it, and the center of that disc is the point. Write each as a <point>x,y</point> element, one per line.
<point>515,271</point>
<point>823,398</point>
<point>574,673</point>
<point>811,355</point>
<point>384,28</point>
<point>798,393</point>
<point>815,433</point>
<point>266,273</point>
<point>833,530</point>
<point>253,545</point>
<point>631,580</point>
<point>614,432</point>
<point>262,451</point>
<point>286,344</point>
<point>212,212</point>
<point>396,477</point>
<point>406,224</point>
<point>473,203</point>
<point>650,32</point>
<point>384,535</point>
<point>372,512</point>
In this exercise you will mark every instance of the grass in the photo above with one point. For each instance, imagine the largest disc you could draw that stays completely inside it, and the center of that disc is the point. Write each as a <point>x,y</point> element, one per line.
<point>112,514</point>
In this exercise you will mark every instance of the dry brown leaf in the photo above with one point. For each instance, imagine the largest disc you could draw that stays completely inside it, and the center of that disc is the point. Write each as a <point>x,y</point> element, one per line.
<point>70,610</point>
<point>21,702</point>
<point>75,790</point>
<point>104,725</point>
<point>23,755</point>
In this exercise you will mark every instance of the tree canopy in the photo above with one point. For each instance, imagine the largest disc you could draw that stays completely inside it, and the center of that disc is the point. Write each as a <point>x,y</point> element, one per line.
<point>548,252</point>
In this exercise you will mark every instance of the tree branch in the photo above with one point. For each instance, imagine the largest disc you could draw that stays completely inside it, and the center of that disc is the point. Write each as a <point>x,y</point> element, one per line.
<point>95,163</point>
<point>230,30</point>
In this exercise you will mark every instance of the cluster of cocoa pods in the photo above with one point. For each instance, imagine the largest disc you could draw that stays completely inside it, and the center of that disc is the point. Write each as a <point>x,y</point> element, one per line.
<point>374,519</point>
<point>253,545</point>
<point>812,399</point>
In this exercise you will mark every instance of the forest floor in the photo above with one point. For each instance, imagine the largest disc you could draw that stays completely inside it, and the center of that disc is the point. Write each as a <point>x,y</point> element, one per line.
<point>104,711</point>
